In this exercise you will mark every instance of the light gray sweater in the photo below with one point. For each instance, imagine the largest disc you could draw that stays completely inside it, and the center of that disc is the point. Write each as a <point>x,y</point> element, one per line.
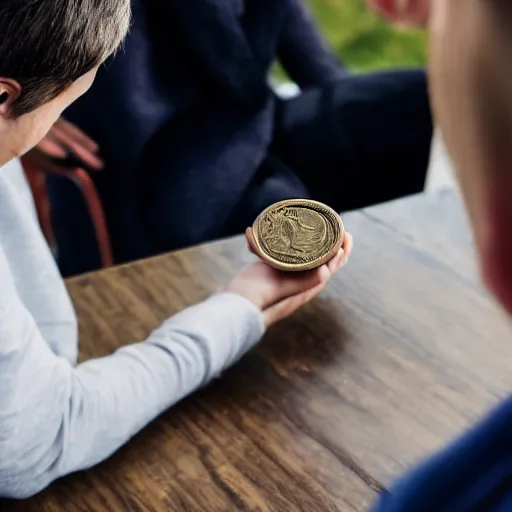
<point>57,418</point>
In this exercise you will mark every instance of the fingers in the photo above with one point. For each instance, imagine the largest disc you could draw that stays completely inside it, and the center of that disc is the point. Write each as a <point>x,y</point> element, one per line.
<point>348,244</point>
<point>78,135</point>
<point>266,286</point>
<point>319,279</point>
<point>52,148</point>
<point>288,306</point>
<point>65,138</point>
<point>415,12</point>
<point>341,259</point>
<point>384,7</point>
<point>249,235</point>
<point>278,294</point>
<point>72,139</point>
<point>337,262</point>
<point>290,284</point>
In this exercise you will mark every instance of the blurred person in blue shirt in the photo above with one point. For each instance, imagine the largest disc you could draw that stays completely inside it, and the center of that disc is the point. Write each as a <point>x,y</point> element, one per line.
<point>471,87</point>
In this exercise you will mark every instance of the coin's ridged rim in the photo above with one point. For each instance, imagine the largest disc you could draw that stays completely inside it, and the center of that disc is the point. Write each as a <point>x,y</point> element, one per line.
<point>298,267</point>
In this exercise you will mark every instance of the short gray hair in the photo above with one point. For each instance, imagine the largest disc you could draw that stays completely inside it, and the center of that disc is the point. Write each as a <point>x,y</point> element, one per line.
<point>46,45</point>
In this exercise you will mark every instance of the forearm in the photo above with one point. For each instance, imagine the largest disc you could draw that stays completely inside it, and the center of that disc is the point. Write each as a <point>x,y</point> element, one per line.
<point>302,50</point>
<point>55,419</point>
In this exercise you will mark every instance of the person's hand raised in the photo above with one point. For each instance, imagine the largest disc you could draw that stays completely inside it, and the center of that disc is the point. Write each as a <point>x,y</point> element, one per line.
<point>65,141</point>
<point>279,294</point>
<point>408,12</point>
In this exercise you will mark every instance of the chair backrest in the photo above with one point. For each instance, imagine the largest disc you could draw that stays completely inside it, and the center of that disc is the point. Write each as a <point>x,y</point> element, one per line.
<point>36,166</point>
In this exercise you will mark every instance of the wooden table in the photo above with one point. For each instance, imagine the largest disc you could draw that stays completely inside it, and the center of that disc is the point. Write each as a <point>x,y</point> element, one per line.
<point>399,354</point>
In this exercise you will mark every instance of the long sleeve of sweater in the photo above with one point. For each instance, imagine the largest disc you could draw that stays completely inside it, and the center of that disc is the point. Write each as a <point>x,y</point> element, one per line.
<point>56,419</point>
<point>303,52</point>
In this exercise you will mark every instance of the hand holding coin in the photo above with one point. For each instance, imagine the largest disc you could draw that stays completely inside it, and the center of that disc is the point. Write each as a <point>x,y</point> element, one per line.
<point>297,235</point>
<point>278,294</point>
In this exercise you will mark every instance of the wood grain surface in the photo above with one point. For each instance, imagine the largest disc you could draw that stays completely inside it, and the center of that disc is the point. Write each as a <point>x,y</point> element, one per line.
<point>400,353</point>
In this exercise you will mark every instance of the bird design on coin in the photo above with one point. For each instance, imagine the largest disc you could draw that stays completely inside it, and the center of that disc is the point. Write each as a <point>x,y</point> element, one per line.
<point>297,234</point>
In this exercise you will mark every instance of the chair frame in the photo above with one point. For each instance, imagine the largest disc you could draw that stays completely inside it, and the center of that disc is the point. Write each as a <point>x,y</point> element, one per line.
<point>36,166</point>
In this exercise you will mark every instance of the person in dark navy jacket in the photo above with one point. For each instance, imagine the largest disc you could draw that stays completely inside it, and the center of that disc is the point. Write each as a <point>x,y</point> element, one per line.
<point>194,142</point>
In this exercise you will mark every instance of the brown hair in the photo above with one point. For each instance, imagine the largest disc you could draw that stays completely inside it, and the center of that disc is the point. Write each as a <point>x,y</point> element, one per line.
<point>46,45</point>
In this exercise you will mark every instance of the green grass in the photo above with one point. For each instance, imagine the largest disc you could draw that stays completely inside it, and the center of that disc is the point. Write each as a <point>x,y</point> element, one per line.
<point>363,41</point>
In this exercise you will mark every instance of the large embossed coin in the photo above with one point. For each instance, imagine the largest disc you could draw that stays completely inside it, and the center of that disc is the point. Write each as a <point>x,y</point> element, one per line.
<point>297,234</point>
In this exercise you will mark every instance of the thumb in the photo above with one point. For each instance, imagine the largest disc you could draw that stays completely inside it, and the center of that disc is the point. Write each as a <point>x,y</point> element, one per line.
<point>288,306</point>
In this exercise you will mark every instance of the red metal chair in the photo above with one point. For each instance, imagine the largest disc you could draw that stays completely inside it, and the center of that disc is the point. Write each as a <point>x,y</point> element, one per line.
<point>36,167</point>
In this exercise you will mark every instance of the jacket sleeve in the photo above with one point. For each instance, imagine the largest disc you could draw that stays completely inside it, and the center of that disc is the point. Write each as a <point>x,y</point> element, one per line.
<point>56,419</point>
<point>302,50</point>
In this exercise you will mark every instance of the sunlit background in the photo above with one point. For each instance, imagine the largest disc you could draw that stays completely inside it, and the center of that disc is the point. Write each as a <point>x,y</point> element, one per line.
<point>362,40</point>
<point>365,42</point>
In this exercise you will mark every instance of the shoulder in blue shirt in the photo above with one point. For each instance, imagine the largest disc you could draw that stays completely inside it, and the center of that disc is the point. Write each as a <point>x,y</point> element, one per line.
<point>473,474</point>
